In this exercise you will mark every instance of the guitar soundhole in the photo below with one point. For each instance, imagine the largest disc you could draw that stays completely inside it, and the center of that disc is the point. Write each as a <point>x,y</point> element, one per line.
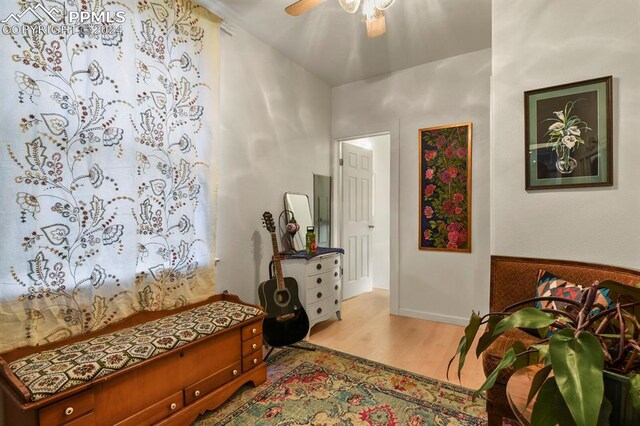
<point>282,297</point>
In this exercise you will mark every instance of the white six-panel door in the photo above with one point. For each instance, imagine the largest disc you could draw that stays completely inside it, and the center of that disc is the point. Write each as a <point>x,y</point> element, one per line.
<point>357,176</point>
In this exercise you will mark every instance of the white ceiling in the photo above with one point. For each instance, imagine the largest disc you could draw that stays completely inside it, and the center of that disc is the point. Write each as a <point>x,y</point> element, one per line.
<point>333,44</point>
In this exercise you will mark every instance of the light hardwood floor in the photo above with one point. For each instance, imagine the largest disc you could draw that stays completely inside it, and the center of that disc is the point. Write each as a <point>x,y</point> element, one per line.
<point>423,347</point>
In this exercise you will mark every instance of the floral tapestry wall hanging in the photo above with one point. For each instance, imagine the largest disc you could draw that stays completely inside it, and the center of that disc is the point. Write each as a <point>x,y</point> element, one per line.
<point>568,135</point>
<point>445,188</point>
<point>107,162</point>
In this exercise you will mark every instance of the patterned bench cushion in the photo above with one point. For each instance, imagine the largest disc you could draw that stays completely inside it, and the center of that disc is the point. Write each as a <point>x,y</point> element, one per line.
<point>49,372</point>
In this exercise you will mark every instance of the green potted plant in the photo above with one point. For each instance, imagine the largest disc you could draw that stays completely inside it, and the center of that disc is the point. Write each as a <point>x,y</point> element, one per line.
<point>588,355</point>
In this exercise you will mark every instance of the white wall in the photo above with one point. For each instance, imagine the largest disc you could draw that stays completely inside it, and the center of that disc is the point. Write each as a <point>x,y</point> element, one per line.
<point>381,234</point>
<point>442,286</point>
<point>540,43</point>
<point>275,133</point>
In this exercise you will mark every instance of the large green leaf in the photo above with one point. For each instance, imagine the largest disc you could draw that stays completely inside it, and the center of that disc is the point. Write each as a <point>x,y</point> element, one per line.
<point>549,408</point>
<point>507,360</point>
<point>488,338</point>
<point>470,333</point>
<point>577,366</point>
<point>525,318</point>
<point>634,390</point>
<point>632,292</point>
<point>538,380</point>
<point>624,293</point>
<point>605,412</point>
<point>543,351</point>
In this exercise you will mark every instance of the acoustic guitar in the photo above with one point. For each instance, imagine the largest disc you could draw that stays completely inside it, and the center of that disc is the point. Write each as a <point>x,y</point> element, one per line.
<point>286,322</point>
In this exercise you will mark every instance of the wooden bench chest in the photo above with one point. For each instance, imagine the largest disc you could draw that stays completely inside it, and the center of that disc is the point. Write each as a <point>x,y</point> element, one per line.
<point>170,370</point>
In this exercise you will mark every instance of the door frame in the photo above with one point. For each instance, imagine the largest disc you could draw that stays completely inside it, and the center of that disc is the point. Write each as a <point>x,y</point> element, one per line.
<point>358,131</point>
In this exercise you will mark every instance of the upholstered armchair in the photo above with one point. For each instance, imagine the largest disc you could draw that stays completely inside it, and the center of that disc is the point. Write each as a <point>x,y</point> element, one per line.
<point>513,279</point>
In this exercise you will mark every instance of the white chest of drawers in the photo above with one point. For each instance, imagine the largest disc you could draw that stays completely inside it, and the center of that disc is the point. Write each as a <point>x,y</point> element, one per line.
<point>319,283</point>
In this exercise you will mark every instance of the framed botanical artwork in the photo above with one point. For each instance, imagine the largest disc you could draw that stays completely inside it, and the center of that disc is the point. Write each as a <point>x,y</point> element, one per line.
<point>568,135</point>
<point>445,188</point>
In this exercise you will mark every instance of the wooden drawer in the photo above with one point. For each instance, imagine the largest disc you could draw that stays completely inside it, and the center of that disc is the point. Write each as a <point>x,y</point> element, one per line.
<point>251,361</point>
<point>155,412</point>
<point>86,420</point>
<point>209,357</point>
<point>323,308</point>
<point>323,291</point>
<point>323,264</point>
<point>251,345</point>
<point>204,386</point>
<point>251,331</point>
<point>68,409</point>
<point>324,278</point>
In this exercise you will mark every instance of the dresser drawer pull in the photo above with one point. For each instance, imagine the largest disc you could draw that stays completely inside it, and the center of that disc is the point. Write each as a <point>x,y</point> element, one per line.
<point>336,287</point>
<point>196,393</point>
<point>173,406</point>
<point>68,411</point>
<point>255,361</point>
<point>234,372</point>
<point>319,280</point>
<point>318,266</point>
<point>319,310</point>
<point>319,295</point>
<point>254,331</point>
<point>336,301</point>
<point>335,274</point>
<point>254,346</point>
<point>335,261</point>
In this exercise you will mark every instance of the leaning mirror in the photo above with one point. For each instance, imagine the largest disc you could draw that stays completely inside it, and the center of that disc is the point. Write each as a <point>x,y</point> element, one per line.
<point>298,205</point>
<point>322,209</point>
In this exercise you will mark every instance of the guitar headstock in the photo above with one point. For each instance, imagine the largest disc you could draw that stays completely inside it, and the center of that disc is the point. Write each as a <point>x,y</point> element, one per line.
<point>267,221</point>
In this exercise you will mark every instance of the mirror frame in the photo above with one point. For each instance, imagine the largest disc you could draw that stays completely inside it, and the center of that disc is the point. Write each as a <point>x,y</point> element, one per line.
<point>301,235</point>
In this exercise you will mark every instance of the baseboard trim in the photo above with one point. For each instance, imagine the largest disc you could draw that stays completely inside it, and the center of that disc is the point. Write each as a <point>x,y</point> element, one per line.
<point>447,319</point>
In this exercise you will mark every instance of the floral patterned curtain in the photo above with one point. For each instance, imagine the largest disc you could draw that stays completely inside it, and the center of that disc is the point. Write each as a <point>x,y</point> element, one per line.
<point>108,174</point>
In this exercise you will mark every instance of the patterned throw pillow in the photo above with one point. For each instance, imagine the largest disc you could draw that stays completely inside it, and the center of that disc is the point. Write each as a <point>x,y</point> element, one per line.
<point>551,286</point>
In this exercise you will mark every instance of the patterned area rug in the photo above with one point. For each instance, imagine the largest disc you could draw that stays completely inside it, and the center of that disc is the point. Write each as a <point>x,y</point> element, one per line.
<point>327,387</point>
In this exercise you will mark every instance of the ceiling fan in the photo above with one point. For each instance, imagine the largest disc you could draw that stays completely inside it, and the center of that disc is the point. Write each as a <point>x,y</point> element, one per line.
<point>372,12</point>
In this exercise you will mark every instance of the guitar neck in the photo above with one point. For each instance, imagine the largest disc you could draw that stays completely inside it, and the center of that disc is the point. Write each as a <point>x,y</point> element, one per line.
<point>276,261</point>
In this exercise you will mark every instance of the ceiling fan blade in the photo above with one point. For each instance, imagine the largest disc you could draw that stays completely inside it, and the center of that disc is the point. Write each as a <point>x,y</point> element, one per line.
<point>376,27</point>
<point>301,6</point>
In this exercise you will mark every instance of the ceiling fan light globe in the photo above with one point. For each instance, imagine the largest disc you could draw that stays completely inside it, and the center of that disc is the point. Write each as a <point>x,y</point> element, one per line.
<point>384,4</point>
<point>350,6</point>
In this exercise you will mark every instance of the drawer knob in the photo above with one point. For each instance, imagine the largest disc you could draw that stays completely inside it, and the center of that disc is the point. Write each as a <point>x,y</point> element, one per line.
<point>336,287</point>
<point>336,301</point>
<point>255,360</point>
<point>319,280</point>
<point>234,372</point>
<point>254,346</point>
<point>319,310</point>
<point>196,393</point>
<point>319,295</point>
<point>68,411</point>
<point>335,274</point>
<point>254,331</point>
<point>173,406</point>
<point>335,261</point>
<point>318,266</point>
